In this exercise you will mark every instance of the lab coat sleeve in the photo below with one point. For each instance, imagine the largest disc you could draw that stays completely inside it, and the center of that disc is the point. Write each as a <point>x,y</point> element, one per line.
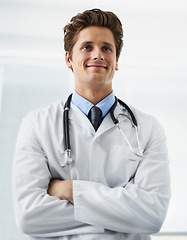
<point>37,213</point>
<point>138,207</point>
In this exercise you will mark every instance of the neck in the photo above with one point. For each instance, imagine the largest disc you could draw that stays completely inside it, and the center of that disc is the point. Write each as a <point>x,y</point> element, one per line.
<point>94,95</point>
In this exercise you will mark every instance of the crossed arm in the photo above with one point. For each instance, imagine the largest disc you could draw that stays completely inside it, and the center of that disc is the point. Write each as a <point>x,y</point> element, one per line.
<point>61,189</point>
<point>142,202</point>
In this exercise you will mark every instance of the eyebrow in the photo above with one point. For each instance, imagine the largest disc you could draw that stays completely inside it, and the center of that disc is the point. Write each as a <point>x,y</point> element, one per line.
<point>90,42</point>
<point>108,44</point>
<point>86,42</point>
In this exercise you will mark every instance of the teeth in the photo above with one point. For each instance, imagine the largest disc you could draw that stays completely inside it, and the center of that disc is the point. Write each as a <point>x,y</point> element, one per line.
<point>96,66</point>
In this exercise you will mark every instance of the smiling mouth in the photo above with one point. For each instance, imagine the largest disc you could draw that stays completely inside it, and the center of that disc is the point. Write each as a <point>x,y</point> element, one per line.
<point>96,66</point>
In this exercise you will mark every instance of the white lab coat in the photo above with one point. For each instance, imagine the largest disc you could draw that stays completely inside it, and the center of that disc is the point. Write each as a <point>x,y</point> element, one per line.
<point>117,195</point>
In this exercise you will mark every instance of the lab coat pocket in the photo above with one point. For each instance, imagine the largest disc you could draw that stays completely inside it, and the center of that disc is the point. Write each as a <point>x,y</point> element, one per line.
<point>134,156</point>
<point>122,165</point>
<point>125,153</point>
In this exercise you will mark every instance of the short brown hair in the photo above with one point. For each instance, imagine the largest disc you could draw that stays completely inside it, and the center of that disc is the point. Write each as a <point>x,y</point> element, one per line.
<point>94,17</point>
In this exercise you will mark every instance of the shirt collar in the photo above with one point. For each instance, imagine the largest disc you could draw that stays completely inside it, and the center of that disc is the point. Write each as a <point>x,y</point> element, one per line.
<point>85,106</point>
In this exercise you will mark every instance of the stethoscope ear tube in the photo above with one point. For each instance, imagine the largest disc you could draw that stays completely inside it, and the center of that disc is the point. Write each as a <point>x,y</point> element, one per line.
<point>129,111</point>
<point>115,120</point>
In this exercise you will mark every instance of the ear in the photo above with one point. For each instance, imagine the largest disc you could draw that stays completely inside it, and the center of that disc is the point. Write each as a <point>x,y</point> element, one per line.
<point>68,60</point>
<point>116,68</point>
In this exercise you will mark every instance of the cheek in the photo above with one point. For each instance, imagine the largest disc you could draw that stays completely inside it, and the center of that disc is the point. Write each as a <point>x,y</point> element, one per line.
<point>114,65</point>
<point>78,68</point>
<point>112,60</point>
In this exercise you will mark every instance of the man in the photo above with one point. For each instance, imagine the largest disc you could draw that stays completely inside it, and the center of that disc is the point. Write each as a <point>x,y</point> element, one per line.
<point>116,185</point>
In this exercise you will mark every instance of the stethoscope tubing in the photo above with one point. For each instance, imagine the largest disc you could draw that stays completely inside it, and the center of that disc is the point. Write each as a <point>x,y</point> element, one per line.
<point>115,121</point>
<point>66,123</point>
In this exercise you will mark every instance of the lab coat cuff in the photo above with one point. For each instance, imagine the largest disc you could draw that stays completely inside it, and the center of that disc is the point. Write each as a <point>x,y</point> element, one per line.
<point>78,190</point>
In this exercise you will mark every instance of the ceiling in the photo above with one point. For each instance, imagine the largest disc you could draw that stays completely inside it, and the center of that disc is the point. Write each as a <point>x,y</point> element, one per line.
<point>155,32</point>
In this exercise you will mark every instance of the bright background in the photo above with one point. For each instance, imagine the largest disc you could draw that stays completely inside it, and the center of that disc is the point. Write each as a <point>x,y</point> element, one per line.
<point>152,76</point>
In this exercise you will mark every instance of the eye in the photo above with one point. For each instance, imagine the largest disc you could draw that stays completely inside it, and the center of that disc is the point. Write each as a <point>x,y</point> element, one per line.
<point>107,49</point>
<point>87,47</point>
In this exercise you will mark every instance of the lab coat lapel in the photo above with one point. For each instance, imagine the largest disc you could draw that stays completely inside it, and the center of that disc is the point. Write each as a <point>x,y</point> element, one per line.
<point>79,118</point>
<point>105,126</point>
<point>107,121</point>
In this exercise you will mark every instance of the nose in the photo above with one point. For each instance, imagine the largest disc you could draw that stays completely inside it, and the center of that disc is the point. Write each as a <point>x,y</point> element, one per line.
<point>97,54</point>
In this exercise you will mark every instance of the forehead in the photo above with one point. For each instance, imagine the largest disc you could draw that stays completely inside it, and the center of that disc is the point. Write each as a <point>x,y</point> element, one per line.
<point>96,35</point>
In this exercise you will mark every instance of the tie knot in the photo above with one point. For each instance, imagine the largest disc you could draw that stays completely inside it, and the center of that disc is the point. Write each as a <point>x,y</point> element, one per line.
<point>95,114</point>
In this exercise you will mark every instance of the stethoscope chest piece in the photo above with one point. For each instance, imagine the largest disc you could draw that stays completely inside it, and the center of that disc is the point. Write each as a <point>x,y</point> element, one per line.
<point>68,159</point>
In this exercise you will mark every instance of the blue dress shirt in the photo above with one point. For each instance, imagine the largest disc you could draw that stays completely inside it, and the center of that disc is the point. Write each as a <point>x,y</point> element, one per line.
<point>85,106</point>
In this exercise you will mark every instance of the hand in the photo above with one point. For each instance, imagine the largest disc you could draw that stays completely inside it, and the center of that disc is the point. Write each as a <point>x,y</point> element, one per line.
<point>62,189</point>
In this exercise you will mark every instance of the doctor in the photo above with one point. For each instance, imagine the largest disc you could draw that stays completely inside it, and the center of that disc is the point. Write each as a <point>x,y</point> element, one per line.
<point>117,185</point>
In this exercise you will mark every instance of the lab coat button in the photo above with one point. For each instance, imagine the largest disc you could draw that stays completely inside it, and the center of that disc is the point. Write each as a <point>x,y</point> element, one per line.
<point>96,141</point>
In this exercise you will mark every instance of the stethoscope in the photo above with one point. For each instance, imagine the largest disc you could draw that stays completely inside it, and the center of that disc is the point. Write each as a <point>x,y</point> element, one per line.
<point>69,159</point>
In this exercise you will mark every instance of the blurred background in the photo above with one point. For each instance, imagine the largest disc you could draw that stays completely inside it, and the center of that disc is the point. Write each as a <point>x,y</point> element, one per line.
<point>152,77</point>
